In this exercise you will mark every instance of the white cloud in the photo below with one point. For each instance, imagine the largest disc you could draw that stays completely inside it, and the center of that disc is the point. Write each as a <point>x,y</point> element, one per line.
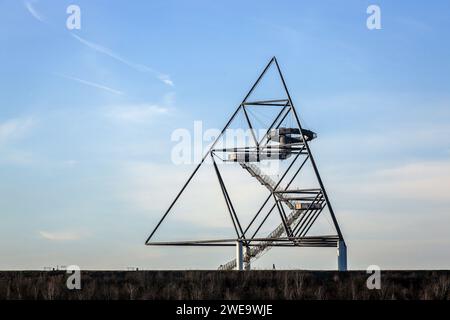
<point>60,235</point>
<point>136,113</point>
<point>166,79</point>
<point>417,184</point>
<point>92,84</point>
<point>32,10</point>
<point>11,131</point>
<point>395,139</point>
<point>136,66</point>
<point>15,128</point>
<point>151,187</point>
<point>16,157</point>
<point>422,181</point>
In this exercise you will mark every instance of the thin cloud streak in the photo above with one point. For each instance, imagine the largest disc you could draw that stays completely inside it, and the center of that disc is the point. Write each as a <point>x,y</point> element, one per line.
<point>60,236</point>
<point>136,113</point>
<point>33,11</point>
<point>136,66</point>
<point>165,78</point>
<point>91,84</point>
<point>14,128</point>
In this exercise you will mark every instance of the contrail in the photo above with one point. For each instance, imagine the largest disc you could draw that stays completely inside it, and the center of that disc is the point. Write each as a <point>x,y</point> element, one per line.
<point>91,84</point>
<point>33,11</point>
<point>165,78</point>
<point>136,66</point>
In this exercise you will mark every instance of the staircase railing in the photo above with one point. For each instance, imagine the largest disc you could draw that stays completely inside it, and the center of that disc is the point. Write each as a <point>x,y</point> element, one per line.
<point>270,184</point>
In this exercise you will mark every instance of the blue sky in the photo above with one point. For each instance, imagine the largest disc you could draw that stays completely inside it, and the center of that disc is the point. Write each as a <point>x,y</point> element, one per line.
<point>86,118</point>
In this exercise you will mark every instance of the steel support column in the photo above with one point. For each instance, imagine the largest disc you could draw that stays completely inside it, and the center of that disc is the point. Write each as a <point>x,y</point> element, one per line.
<point>342,256</point>
<point>239,256</point>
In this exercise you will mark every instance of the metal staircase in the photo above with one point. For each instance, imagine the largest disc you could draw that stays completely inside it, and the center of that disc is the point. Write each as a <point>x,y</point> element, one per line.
<point>265,180</point>
<point>271,185</point>
<point>257,251</point>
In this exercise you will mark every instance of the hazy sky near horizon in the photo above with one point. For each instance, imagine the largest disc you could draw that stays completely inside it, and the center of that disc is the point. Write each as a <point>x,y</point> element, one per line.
<point>86,118</point>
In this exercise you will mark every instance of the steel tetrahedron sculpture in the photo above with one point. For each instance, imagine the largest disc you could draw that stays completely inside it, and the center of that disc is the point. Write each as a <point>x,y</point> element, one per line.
<point>297,209</point>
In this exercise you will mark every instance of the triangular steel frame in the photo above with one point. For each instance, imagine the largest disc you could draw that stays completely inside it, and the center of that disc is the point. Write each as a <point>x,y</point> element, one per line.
<point>296,230</point>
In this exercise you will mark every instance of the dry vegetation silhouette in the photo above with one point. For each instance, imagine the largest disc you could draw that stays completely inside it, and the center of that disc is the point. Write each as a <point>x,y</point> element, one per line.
<point>163,285</point>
